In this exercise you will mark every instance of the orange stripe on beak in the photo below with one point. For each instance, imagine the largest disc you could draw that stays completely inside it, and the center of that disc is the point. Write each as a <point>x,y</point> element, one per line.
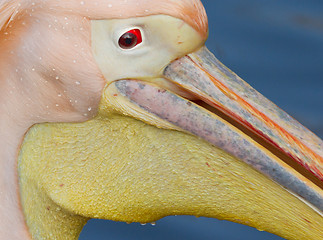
<point>287,136</point>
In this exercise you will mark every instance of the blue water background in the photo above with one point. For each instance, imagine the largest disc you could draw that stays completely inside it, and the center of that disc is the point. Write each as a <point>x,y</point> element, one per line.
<point>277,47</point>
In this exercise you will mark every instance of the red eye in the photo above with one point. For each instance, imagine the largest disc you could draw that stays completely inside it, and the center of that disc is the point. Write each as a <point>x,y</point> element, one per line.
<point>130,39</point>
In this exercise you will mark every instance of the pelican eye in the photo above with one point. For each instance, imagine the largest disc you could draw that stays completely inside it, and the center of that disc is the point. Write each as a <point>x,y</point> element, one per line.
<point>130,39</point>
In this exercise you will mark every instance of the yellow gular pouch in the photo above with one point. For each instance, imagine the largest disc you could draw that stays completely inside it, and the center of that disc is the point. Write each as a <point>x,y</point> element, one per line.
<point>118,168</point>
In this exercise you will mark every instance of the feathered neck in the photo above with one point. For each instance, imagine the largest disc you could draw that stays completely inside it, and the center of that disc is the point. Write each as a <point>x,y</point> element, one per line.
<point>12,223</point>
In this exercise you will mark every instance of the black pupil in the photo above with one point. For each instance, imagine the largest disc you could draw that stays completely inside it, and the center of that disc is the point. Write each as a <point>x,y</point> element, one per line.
<point>128,40</point>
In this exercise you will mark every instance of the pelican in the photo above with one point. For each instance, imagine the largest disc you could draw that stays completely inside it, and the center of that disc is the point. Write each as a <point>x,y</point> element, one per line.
<point>116,110</point>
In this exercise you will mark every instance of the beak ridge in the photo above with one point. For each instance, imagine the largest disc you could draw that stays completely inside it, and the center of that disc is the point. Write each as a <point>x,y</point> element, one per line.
<point>202,74</point>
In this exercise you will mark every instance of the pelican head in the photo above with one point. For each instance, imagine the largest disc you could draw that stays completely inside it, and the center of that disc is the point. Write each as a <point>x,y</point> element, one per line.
<point>116,110</point>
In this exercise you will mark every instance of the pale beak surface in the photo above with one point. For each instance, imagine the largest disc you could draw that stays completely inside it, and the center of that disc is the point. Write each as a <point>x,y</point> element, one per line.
<point>236,118</point>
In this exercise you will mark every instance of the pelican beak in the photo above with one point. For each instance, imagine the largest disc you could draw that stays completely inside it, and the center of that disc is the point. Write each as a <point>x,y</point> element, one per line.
<point>231,115</point>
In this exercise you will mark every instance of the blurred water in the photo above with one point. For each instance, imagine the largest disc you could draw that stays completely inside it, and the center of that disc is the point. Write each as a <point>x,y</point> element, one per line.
<point>277,47</point>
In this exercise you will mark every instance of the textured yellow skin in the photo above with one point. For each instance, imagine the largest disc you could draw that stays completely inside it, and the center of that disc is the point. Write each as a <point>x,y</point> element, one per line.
<point>115,167</point>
